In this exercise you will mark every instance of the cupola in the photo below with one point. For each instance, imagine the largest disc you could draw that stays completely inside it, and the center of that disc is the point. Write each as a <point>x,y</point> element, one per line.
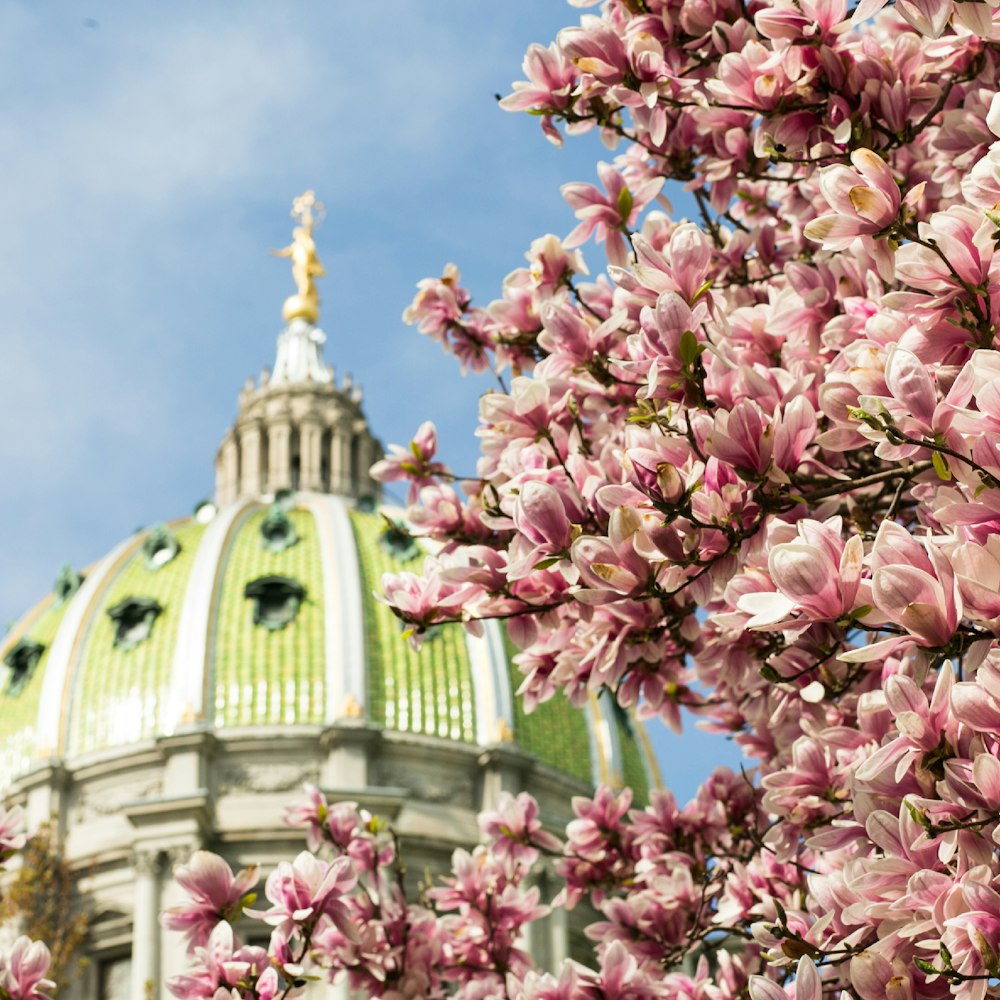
<point>298,428</point>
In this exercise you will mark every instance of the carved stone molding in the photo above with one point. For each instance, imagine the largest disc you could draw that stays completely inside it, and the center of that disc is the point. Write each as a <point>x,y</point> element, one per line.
<point>107,799</point>
<point>266,777</point>
<point>147,862</point>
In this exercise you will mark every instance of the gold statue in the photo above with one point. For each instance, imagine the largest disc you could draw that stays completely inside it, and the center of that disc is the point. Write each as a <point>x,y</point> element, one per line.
<point>305,264</point>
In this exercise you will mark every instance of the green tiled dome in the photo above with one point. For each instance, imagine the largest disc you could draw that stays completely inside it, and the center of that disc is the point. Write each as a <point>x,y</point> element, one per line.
<point>165,633</point>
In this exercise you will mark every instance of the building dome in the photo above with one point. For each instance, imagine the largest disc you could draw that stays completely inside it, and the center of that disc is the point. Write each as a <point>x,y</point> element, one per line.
<point>263,614</point>
<point>177,694</point>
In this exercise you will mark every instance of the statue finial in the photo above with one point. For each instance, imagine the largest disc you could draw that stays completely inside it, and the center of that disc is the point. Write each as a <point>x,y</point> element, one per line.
<point>306,267</point>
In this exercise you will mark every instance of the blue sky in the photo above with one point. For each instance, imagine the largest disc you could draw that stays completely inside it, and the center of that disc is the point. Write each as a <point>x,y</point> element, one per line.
<point>150,155</point>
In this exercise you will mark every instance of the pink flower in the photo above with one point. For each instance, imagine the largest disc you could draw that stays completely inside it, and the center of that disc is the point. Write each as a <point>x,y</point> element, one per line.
<point>551,79</point>
<point>423,601</point>
<point>307,889</point>
<point>914,586</point>
<point>414,463</point>
<point>611,566</point>
<point>964,238</point>
<point>755,78</point>
<point>440,303</point>
<point>972,932</point>
<point>12,836</point>
<point>865,202</point>
<point>215,895</point>
<point>808,985</point>
<point>544,530</point>
<point>622,979</point>
<point>312,815</point>
<point>817,578</point>
<point>220,966</point>
<point>22,971</point>
<point>609,214</point>
<point>516,828</point>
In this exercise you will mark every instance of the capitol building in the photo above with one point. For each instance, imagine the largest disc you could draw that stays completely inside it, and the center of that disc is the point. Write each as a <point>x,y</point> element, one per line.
<point>178,693</point>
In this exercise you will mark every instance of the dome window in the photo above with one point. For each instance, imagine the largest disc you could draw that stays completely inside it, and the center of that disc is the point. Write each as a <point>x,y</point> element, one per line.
<point>67,584</point>
<point>159,548</point>
<point>276,601</point>
<point>21,661</point>
<point>133,621</point>
<point>204,511</point>
<point>397,541</point>
<point>277,532</point>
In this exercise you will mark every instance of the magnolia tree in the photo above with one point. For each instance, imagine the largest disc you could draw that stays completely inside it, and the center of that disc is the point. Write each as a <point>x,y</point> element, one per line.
<point>751,473</point>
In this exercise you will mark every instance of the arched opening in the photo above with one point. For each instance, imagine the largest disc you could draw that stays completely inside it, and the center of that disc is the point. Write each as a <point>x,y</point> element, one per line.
<point>324,460</point>
<point>295,453</point>
<point>355,470</point>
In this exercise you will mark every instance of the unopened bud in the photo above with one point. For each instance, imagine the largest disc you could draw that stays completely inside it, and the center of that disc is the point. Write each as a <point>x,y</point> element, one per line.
<point>989,954</point>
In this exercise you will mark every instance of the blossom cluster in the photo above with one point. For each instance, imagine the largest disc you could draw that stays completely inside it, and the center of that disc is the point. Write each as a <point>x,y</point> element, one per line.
<point>24,965</point>
<point>751,475</point>
<point>343,910</point>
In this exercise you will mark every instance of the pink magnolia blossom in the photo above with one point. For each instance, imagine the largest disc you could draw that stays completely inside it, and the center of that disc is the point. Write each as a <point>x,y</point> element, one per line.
<point>865,202</point>
<point>914,586</point>
<point>551,78</point>
<point>749,479</point>
<point>214,895</point>
<point>413,464</point>
<point>816,578</point>
<point>608,214</point>
<point>516,828</point>
<point>308,889</point>
<point>12,837</point>
<point>23,969</point>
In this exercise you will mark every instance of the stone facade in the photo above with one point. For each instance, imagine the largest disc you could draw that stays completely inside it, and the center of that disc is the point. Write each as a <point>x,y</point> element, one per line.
<point>129,817</point>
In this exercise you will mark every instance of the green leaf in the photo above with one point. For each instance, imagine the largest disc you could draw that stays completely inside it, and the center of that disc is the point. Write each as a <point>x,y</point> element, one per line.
<point>704,287</point>
<point>689,348</point>
<point>941,466</point>
<point>916,814</point>
<point>546,563</point>
<point>924,966</point>
<point>625,204</point>
<point>770,674</point>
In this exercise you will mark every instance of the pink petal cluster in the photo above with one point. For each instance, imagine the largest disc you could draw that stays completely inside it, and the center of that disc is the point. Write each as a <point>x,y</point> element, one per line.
<point>23,969</point>
<point>747,476</point>
<point>214,894</point>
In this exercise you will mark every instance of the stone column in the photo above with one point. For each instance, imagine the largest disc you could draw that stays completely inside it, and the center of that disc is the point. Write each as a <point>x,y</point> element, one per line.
<point>503,768</point>
<point>367,456</point>
<point>558,921</point>
<point>310,445</point>
<point>173,950</point>
<point>227,472</point>
<point>250,447</point>
<point>340,459</point>
<point>279,473</point>
<point>349,746</point>
<point>146,926</point>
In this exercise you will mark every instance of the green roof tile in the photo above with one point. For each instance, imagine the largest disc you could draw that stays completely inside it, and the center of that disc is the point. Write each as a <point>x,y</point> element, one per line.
<point>261,677</point>
<point>555,732</point>
<point>633,759</point>
<point>19,713</point>
<point>118,694</point>
<point>427,692</point>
